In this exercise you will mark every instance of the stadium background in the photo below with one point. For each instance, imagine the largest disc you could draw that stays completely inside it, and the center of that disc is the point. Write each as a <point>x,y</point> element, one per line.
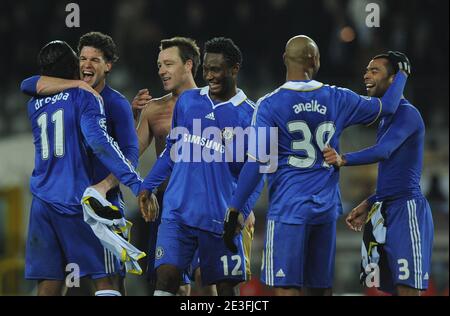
<point>261,29</point>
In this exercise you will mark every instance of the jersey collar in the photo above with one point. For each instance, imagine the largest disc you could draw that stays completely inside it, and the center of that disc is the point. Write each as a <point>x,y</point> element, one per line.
<point>304,86</point>
<point>235,100</point>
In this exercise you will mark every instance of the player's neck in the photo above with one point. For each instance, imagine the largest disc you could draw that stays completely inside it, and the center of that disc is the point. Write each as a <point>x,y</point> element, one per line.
<point>189,84</point>
<point>225,97</point>
<point>298,72</point>
<point>101,85</point>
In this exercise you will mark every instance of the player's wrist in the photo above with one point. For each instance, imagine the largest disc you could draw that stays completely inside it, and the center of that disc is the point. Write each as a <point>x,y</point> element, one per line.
<point>77,83</point>
<point>343,160</point>
<point>100,188</point>
<point>233,209</point>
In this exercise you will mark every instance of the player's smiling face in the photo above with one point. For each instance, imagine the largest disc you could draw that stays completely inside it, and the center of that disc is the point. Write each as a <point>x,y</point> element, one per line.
<point>219,76</point>
<point>93,67</point>
<point>171,69</point>
<point>376,78</point>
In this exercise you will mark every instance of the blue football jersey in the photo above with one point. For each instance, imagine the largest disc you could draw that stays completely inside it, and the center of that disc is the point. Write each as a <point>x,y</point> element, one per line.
<point>399,176</point>
<point>120,126</point>
<point>308,115</point>
<point>66,128</point>
<point>200,188</point>
<point>399,151</point>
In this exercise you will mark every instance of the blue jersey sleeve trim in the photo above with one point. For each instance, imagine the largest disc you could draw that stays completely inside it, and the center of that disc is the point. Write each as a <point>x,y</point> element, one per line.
<point>379,112</point>
<point>28,86</point>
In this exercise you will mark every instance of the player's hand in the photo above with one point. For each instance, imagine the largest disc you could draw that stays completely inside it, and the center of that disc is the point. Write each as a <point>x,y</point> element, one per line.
<point>141,100</point>
<point>85,86</point>
<point>233,224</point>
<point>105,209</point>
<point>400,62</point>
<point>356,219</point>
<point>250,221</point>
<point>331,157</point>
<point>148,205</point>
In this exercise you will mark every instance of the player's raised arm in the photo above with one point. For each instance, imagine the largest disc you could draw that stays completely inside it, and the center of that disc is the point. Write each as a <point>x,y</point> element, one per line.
<point>391,99</point>
<point>358,109</point>
<point>45,85</point>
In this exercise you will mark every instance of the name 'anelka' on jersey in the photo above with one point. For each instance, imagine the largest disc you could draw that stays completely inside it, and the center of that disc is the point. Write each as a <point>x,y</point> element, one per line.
<point>312,106</point>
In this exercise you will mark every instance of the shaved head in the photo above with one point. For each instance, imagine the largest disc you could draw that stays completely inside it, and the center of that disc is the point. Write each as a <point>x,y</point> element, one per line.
<point>300,48</point>
<point>302,54</point>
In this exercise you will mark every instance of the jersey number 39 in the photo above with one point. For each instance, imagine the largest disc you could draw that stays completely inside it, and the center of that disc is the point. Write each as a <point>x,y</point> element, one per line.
<point>324,129</point>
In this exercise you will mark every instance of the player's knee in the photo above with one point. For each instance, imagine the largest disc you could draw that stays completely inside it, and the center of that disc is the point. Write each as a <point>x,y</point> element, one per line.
<point>227,288</point>
<point>198,277</point>
<point>204,289</point>
<point>284,291</point>
<point>107,283</point>
<point>403,290</point>
<point>168,278</point>
<point>184,290</point>
<point>50,288</point>
<point>318,291</point>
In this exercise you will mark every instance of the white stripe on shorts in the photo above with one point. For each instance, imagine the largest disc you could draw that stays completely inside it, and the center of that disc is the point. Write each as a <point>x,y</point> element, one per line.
<point>105,256</point>
<point>111,257</point>
<point>419,244</point>
<point>269,252</point>
<point>416,243</point>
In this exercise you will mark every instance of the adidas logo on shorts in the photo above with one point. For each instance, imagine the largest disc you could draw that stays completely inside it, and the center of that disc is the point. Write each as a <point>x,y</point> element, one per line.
<point>280,274</point>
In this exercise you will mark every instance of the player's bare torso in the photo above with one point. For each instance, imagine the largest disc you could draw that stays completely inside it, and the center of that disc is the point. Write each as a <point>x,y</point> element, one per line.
<point>159,119</point>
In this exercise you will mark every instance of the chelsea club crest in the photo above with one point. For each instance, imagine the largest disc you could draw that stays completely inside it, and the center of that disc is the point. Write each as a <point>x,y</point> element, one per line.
<point>227,133</point>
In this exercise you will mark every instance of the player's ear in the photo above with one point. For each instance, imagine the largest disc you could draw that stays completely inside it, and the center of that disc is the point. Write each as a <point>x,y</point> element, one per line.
<point>235,69</point>
<point>108,67</point>
<point>188,65</point>
<point>391,79</point>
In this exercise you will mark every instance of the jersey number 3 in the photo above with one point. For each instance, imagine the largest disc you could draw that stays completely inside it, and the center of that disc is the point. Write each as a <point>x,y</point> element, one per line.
<point>58,121</point>
<point>324,129</point>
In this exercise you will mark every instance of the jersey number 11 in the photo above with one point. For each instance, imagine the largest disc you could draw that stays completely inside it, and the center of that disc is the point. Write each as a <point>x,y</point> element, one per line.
<point>58,120</point>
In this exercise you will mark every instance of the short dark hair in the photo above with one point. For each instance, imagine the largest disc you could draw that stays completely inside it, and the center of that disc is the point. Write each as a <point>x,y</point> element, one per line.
<point>102,42</point>
<point>57,59</point>
<point>390,68</point>
<point>188,50</point>
<point>226,47</point>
